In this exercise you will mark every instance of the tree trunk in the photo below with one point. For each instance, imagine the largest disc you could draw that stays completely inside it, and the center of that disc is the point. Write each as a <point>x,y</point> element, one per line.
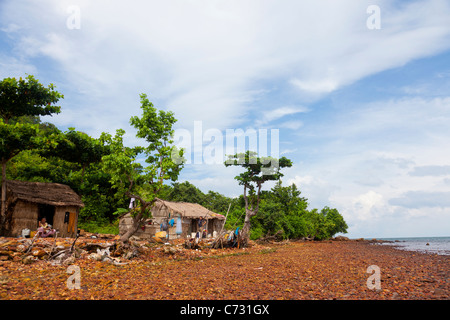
<point>136,224</point>
<point>138,219</point>
<point>3,200</point>
<point>245,233</point>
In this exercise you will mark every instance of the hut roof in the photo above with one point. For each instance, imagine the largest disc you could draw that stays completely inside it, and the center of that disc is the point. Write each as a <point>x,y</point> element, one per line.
<point>54,194</point>
<point>188,210</point>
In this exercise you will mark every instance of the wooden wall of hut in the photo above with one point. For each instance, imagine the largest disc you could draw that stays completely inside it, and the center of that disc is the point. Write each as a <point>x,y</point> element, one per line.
<point>24,216</point>
<point>69,228</point>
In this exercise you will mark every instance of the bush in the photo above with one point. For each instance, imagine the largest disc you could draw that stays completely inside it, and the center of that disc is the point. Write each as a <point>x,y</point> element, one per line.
<point>100,226</point>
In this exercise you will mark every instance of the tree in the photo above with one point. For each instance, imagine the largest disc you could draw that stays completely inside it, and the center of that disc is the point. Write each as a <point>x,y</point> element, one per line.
<point>27,97</point>
<point>186,192</point>
<point>23,97</point>
<point>76,146</point>
<point>257,171</point>
<point>164,161</point>
<point>334,221</point>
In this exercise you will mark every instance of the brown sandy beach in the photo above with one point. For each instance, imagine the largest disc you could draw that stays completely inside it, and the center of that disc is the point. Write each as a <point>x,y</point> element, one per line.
<point>295,270</point>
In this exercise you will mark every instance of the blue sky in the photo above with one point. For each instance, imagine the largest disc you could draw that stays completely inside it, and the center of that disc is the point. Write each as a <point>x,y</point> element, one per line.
<point>363,113</point>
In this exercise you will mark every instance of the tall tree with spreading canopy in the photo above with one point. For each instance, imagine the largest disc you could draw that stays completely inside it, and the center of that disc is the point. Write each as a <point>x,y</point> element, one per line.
<point>23,97</point>
<point>258,170</point>
<point>76,146</point>
<point>164,161</point>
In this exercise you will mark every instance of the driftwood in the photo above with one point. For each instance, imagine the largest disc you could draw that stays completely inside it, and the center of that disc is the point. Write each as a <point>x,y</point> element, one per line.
<point>32,242</point>
<point>66,252</point>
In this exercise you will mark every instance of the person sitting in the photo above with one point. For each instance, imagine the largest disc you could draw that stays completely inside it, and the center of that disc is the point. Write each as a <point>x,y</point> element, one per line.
<point>44,229</point>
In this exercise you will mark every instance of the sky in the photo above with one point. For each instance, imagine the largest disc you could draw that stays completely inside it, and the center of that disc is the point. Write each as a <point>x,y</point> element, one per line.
<point>356,93</point>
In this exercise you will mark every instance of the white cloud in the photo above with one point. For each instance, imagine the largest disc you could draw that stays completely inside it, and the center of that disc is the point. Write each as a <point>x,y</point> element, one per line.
<point>365,204</point>
<point>287,151</point>
<point>321,86</point>
<point>422,199</point>
<point>293,125</point>
<point>279,113</point>
<point>201,59</point>
<point>432,170</point>
<point>14,67</point>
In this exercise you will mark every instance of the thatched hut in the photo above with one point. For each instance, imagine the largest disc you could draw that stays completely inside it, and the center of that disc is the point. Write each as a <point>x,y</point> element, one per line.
<point>190,215</point>
<point>29,202</point>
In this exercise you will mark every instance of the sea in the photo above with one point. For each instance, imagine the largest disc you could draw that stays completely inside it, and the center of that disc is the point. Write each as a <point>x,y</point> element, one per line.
<point>434,245</point>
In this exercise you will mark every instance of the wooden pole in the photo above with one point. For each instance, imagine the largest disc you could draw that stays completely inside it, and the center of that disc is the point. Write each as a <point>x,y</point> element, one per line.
<point>223,225</point>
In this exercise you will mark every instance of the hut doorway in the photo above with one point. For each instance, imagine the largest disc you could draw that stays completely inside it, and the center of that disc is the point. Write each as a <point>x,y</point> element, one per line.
<point>46,211</point>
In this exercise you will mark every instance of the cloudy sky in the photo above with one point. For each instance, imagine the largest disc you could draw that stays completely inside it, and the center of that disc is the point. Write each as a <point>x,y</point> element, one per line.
<point>359,91</point>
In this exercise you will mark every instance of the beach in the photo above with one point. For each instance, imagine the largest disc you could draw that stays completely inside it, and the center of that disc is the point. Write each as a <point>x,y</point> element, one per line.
<point>276,271</point>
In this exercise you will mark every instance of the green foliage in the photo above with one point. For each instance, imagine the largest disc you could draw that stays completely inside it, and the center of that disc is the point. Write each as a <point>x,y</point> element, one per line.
<point>75,146</point>
<point>131,177</point>
<point>257,169</point>
<point>186,192</point>
<point>283,209</point>
<point>15,138</point>
<point>27,97</point>
<point>100,226</point>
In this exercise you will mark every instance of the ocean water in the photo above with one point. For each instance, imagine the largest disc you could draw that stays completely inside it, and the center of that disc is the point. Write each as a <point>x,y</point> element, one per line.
<point>435,245</point>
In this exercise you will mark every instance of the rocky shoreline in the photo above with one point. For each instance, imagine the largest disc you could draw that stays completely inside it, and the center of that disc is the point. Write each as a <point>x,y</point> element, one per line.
<point>339,269</point>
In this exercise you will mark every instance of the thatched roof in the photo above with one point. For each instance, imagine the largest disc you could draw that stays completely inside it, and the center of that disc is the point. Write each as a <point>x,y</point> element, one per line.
<point>54,194</point>
<point>188,210</point>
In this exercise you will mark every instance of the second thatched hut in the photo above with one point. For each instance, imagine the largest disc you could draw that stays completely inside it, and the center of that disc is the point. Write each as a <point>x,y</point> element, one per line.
<point>192,216</point>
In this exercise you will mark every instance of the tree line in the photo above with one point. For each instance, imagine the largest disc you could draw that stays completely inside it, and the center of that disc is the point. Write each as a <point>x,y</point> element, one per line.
<point>106,174</point>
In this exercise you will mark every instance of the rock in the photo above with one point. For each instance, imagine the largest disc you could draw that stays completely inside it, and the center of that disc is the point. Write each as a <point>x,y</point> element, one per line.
<point>8,243</point>
<point>39,253</point>
<point>119,251</point>
<point>105,235</point>
<point>170,250</point>
<point>28,260</point>
<point>156,239</point>
<point>7,254</point>
<point>340,238</point>
<point>94,246</point>
<point>439,292</point>
<point>134,238</point>
<point>95,256</point>
<point>77,253</point>
<point>130,254</point>
<point>69,261</point>
<point>395,296</point>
